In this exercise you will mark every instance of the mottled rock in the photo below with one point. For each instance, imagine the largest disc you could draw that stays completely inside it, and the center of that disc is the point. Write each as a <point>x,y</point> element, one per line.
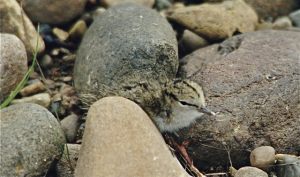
<point>109,3</point>
<point>42,99</point>
<point>252,82</point>
<point>15,22</point>
<point>262,157</point>
<point>250,172</point>
<point>70,125</point>
<point>216,21</point>
<point>35,87</point>
<point>287,165</point>
<point>54,11</point>
<point>127,51</point>
<point>31,140</point>
<point>66,165</point>
<point>13,63</point>
<point>282,23</point>
<point>295,17</point>
<point>121,140</point>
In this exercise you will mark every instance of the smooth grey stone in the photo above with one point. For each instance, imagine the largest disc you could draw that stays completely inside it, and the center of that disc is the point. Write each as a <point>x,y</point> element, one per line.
<point>31,140</point>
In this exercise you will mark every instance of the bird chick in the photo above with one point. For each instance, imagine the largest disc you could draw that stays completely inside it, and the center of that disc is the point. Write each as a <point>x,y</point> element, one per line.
<point>184,102</point>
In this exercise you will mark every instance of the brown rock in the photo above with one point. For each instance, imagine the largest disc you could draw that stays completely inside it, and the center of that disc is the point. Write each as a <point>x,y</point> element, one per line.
<point>121,140</point>
<point>54,11</point>
<point>216,21</point>
<point>270,8</point>
<point>253,83</point>
<point>13,63</point>
<point>70,125</point>
<point>42,99</point>
<point>33,88</point>
<point>262,157</point>
<point>109,3</point>
<point>15,22</point>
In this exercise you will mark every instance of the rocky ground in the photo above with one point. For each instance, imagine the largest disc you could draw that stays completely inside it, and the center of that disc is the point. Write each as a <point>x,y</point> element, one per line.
<point>245,54</point>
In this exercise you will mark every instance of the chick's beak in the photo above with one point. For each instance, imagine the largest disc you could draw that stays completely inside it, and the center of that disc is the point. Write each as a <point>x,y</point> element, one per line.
<point>207,111</point>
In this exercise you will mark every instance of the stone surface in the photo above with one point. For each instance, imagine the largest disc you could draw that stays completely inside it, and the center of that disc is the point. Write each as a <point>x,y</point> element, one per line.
<point>66,165</point>
<point>42,99</point>
<point>287,165</point>
<point>127,51</point>
<point>31,140</point>
<point>13,63</point>
<point>295,17</point>
<point>267,9</point>
<point>262,157</point>
<point>15,22</point>
<point>254,85</point>
<point>53,11</point>
<point>216,21</point>
<point>191,41</point>
<point>70,125</point>
<point>121,140</point>
<point>250,172</point>
<point>109,3</point>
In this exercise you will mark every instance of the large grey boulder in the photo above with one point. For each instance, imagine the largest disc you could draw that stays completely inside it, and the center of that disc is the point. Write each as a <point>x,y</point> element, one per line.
<point>31,140</point>
<point>129,51</point>
<point>13,63</point>
<point>121,140</point>
<point>252,81</point>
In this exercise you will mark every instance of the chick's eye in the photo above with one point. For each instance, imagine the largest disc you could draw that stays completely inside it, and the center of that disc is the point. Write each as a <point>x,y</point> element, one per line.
<point>187,104</point>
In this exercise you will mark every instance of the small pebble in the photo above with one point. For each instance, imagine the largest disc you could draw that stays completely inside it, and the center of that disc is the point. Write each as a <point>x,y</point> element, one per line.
<point>97,12</point>
<point>33,88</point>
<point>34,75</point>
<point>262,157</point>
<point>42,99</point>
<point>46,61</point>
<point>66,79</point>
<point>77,30</point>
<point>109,3</point>
<point>49,83</point>
<point>69,58</point>
<point>250,172</point>
<point>60,34</point>
<point>70,125</point>
<point>282,23</point>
